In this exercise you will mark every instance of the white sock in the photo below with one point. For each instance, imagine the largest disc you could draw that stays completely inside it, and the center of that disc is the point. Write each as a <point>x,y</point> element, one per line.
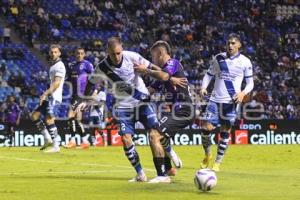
<point>46,135</point>
<point>85,139</point>
<point>56,142</point>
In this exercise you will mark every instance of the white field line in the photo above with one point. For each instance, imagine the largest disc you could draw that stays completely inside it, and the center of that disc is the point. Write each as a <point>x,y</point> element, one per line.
<point>68,163</point>
<point>65,172</point>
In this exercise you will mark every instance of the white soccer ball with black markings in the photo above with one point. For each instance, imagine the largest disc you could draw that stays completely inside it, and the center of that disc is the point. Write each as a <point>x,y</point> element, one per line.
<point>205,179</point>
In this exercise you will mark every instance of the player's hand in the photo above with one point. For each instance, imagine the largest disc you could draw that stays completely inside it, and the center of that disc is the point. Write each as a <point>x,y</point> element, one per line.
<point>203,92</point>
<point>239,97</point>
<point>43,98</point>
<point>140,68</point>
<point>182,82</point>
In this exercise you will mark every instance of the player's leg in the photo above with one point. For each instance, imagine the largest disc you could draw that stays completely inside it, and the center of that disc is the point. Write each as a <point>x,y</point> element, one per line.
<point>92,124</point>
<point>165,129</point>
<point>85,144</point>
<point>222,146</point>
<point>35,117</point>
<point>72,122</point>
<point>206,134</point>
<point>126,121</point>
<point>211,120</point>
<point>51,127</point>
<point>171,124</point>
<point>166,143</point>
<point>133,157</point>
<point>72,128</point>
<point>227,116</point>
<point>12,133</point>
<point>149,119</point>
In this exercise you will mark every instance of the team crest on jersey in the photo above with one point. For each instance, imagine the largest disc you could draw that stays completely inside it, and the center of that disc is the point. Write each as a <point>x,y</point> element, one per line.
<point>81,66</point>
<point>170,62</point>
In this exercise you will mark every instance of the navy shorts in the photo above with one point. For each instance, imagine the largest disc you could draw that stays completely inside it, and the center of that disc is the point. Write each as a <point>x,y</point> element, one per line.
<point>48,108</point>
<point>128,117</point>
<point>220,113</point>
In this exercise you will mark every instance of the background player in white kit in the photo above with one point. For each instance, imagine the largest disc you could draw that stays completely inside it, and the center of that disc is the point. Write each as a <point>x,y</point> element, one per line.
<point>97,116</point>
<point>229,70</point>
<point>49,99</point>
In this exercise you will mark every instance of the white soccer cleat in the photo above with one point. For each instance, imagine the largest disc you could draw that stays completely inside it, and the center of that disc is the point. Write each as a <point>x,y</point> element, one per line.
<point>47,144</point>
<point>53,150</point>
<point>177,162</point>
<point>160,179</point>
<point>175,159</point>
<point>139,178</point>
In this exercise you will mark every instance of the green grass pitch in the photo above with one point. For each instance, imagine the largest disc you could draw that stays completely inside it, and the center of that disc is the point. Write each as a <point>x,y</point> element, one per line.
<point>249,172</point>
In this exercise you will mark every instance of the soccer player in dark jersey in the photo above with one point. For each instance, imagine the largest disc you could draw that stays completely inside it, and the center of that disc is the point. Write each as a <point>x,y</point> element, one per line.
<point>177,96</point>
<point>78,76</point>
<point>11,117</point>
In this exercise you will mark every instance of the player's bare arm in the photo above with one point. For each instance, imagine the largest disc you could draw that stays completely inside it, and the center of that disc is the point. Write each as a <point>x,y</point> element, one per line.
<point>160,75</point>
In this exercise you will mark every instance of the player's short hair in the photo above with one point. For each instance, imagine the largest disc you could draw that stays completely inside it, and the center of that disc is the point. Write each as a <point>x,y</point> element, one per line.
<point>54,46</point>
<point>161,43</point>
<point>234,36</point>
<point>79,48</point>
<point>112,41</point>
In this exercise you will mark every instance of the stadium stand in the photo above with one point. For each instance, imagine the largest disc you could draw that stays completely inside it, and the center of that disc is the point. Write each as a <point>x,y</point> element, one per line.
<point>269,29</point>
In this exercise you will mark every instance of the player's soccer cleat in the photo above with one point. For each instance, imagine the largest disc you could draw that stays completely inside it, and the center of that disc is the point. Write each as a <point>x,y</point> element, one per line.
<point>172,172</point>
<point>85,145</point>
<point>53,150</point>
<point>176,161</point>
<point>160,179</point>
<point>71,145</point>
<point>216,167</point>
<point>139,178</point>
<point>207,162</point>
<point>46,145</point>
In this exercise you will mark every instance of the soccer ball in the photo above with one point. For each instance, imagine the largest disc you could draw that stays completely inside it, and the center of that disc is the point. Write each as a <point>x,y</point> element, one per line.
<point>205,179</point>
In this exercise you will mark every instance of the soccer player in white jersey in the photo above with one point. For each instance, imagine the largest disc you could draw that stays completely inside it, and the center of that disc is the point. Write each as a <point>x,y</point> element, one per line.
<point>132,105</point>
<point>49,99</point>
<point>229,70</point>
<point>97,116</point>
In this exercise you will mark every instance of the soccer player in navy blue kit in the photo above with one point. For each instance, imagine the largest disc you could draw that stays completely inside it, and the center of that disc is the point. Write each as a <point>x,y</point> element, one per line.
<point>78,76</point>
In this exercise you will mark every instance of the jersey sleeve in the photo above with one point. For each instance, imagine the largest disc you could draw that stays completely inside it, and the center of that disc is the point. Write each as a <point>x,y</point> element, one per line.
<point>18,109</point>
<point>248,72</point>
<point>89,67</point>
<point>96,76</point>
<point>60,70</point>
<point>138,59</point>
<point>212,70</point>
<point>172,67</point>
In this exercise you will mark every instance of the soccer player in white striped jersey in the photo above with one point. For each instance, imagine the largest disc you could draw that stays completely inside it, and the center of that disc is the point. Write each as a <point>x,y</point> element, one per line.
<point>132,104</point>
<point>49,99</point>
<point>229,69</point>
